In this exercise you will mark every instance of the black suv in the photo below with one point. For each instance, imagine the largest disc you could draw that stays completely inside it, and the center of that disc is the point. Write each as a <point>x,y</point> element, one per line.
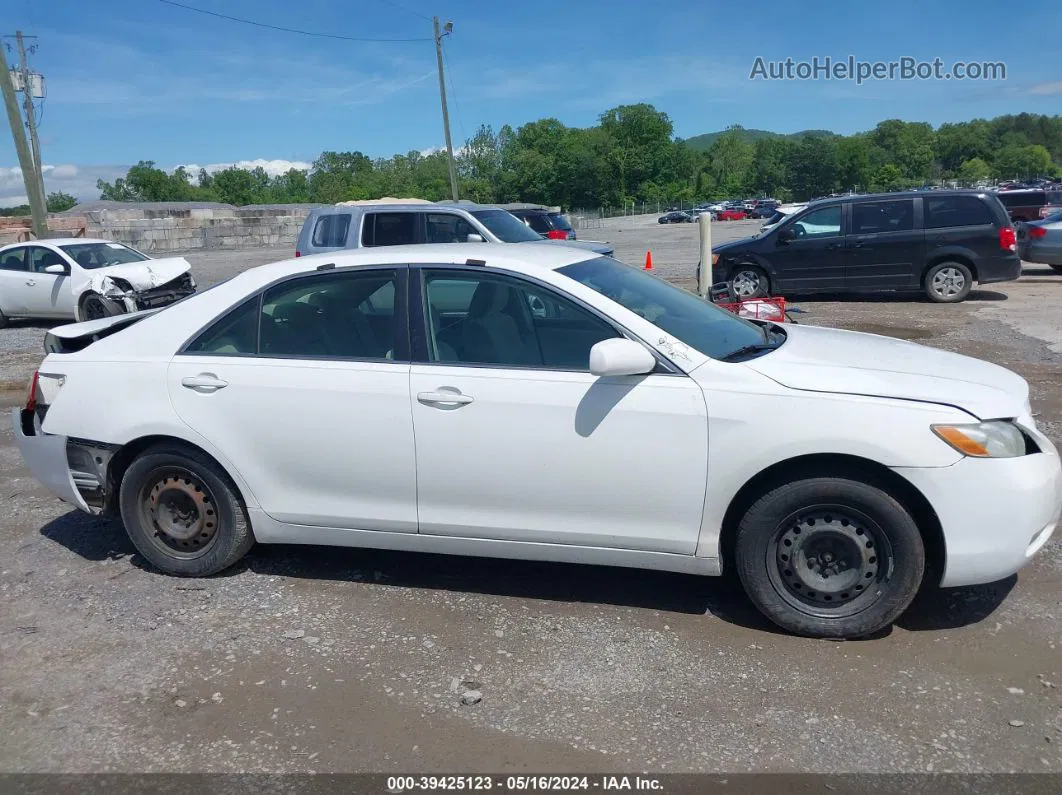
<point>940,242</point>
<point>549,224</point>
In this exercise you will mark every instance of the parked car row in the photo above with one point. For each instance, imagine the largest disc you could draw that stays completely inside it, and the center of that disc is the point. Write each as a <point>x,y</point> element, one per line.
<point>1041,241</point>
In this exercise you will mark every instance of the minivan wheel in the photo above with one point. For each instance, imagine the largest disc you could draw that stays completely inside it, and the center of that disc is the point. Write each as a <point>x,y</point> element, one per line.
<point>829,557</point>
<point>183,513</point>
<point>948,282</point>
<point>748,281</point>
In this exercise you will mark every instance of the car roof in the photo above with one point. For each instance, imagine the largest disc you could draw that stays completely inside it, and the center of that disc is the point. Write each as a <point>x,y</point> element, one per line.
<point>899,194</point>
<point>524,257</point>
<point>60,241</point>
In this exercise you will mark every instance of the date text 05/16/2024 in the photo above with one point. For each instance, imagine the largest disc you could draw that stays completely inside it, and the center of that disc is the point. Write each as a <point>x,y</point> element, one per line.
<point>399,784</point>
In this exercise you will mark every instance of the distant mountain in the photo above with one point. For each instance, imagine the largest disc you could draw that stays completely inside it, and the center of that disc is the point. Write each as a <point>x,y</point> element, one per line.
<point>704,142</point>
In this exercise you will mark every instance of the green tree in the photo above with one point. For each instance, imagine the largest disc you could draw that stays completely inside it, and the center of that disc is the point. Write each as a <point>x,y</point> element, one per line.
<point>974,170</point>
<point>59,202</point>
<point>1023,161</point>
<point>814,167</point>
<point>731,158</point>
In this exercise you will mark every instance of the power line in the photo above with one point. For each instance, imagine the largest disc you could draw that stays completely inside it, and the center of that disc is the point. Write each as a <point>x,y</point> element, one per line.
<point>283,29</point>
<point>401,7</point>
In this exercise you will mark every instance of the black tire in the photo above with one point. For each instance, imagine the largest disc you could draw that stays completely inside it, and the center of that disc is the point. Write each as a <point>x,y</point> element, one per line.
<point>799,535</point>
<point>948,283</point>
<point>1055,268</point>
<point>95,306</point>
<point>3,320</point>
<point>749,281</point>
<point>183,513</point>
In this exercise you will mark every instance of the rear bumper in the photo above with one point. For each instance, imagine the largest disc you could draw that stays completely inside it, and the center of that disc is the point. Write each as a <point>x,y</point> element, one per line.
<point>45,457</point>
<point>1045,255</point>
<point>995,514</point>
<point>1004,268</point>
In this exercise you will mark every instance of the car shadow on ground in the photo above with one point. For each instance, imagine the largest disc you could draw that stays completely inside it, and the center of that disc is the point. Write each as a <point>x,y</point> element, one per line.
<point>98,539</point>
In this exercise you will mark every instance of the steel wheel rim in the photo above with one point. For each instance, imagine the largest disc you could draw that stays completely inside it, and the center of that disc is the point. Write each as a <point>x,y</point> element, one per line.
<point>94,309</point>
<point>829,561</point>
<point>948,282</point>
<point>180,513</point>
<point>745,283</point>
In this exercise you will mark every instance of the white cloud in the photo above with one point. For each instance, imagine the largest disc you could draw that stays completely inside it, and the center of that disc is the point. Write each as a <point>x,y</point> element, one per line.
<point>1045,89</point>
<point>273,168</point>
<point>78,181</point>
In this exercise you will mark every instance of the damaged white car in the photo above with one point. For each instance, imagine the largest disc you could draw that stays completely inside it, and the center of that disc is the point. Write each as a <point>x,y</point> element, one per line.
<point>86,279</point>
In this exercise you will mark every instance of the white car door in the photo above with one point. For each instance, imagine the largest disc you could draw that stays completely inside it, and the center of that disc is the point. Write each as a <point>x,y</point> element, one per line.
<point>14,279</point>
<point>306,394</point>
<point>516,440</point>
<point>48,294</point>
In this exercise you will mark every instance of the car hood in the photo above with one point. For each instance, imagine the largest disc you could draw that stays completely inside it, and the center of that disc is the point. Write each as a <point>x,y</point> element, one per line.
<point>831,360</point>
<point>722,248</point>
<point>589,245</point>
<point>138,275</point>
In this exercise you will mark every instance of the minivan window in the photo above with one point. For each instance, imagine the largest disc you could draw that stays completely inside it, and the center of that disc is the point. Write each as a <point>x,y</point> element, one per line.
<point>389,229</point>
<point>1031,198</point>
<point>505,226</point>
<point>820,223</point>
<point>330,231</point>
<point>890,216</point>
<point>945,211</point>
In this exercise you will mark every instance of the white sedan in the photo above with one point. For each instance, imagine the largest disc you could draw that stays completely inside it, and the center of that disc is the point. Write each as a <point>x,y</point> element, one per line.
<point>533,403</point>
<point>85,279</point>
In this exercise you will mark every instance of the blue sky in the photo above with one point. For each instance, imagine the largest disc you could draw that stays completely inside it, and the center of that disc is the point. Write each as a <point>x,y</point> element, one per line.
<point>138,79</point>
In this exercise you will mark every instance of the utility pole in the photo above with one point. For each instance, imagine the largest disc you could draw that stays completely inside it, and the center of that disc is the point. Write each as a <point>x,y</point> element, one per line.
<point>25,158</point>
<point>442,94</point>
<point>27,105</point>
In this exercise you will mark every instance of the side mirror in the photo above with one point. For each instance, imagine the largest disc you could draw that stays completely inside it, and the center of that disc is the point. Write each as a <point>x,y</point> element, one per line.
<point>474,238</point>
<point>786,235</point>
<point>57,269</point>
<point>620,356</point>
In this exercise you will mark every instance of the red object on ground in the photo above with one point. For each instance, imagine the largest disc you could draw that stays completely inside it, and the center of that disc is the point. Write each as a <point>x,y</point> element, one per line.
<point>648,260</point>
<point>758,308</point>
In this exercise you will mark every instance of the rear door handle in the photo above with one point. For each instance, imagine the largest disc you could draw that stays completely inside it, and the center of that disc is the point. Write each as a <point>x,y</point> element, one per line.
<point>444,396</point>
<point>204,382</point>
<point>833,246</point>
<point>30,283</point>
<point>858,244</point>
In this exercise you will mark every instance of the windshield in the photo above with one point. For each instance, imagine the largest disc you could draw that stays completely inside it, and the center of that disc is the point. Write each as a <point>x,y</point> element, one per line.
<point>505,226</point>
<point>100,255</point>
<point>703,326</point>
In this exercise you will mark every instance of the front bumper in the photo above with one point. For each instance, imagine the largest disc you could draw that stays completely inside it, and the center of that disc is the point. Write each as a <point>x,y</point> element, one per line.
<point>996,513</point>
<point>45,457</point>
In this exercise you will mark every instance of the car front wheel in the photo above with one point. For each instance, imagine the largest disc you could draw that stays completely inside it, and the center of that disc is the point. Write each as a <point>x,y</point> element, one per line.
<point>829,557</point>
<point>747,281</point>
<point>183,513</point>
<point>96,307</point>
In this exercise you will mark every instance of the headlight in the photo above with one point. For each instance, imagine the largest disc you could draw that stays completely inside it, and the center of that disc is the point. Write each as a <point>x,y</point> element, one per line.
<point>995,439</point>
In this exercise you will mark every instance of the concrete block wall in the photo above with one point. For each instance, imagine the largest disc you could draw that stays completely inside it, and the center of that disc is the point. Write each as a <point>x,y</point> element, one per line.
<point>159,231</point>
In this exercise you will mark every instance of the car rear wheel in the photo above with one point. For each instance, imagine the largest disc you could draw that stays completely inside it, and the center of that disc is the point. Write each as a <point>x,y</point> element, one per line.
<point>1055,268</point>
<point>748,281</point>
<point>183,513</point>
<point>829,557</point>
<point>96,307</point>
<point>948,282</point>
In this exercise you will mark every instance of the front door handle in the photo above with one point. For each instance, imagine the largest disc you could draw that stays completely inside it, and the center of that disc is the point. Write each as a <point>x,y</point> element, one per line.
<point>833,246</point>
<point>858,244</point>
<point>444,397</point>
<point>204,382</point>
<point>30,283</point>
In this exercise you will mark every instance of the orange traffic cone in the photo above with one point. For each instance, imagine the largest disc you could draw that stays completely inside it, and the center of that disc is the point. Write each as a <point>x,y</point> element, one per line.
<point>648,260</point>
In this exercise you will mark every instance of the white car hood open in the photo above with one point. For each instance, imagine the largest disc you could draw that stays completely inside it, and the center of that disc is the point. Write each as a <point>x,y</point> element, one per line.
<point>140,275</point>
<point>849,362</point>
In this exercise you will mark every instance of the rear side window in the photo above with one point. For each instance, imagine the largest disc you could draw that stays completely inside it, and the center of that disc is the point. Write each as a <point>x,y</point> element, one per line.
<point>891,216</point>
<point>330,231</point>
<point>1024,199</point>
<point>536,221</point>
<point>234,333</point>
<point>448,228</point>
<point>14,260</point>
<point>389,229</point>
<point>560,221</point>
<point>945,211</point>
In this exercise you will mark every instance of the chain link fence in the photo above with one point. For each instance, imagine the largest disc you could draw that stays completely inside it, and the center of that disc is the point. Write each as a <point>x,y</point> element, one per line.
<point>590,218</point>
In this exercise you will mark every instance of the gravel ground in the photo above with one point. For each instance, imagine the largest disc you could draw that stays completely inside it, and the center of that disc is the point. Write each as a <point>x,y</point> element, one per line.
<point>346,660</point>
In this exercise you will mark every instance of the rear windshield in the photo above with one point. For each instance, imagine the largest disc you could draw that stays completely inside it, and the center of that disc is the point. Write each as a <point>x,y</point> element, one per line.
<point>560,221</point>
<point>505,226</point>
<point>537,221</point>
<point>100,255</point>
<point>330,231</point>
<point>1054,197</point>
<point>1025,198</point>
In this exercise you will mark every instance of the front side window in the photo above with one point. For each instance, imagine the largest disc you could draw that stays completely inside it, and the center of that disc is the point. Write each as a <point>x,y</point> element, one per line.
<point>819,223</point>
<point>330,231</point>
<point>101,255</point>
<point>701,325</point>
<point>448,228</point>
<point>389,229</point>
<point>874,217</point>
<point>505,322</point>
<point>505,226</point>
<point>344,315</point>
<point>41,257</point>
<point>13,260</point>
<point>945,211</point>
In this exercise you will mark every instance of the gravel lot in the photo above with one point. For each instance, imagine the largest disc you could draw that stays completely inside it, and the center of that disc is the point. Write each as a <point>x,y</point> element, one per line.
<point>346,660</point>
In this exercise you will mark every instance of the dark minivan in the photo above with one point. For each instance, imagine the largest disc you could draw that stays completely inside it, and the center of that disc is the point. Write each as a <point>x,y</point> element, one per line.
<point>940,242</point>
